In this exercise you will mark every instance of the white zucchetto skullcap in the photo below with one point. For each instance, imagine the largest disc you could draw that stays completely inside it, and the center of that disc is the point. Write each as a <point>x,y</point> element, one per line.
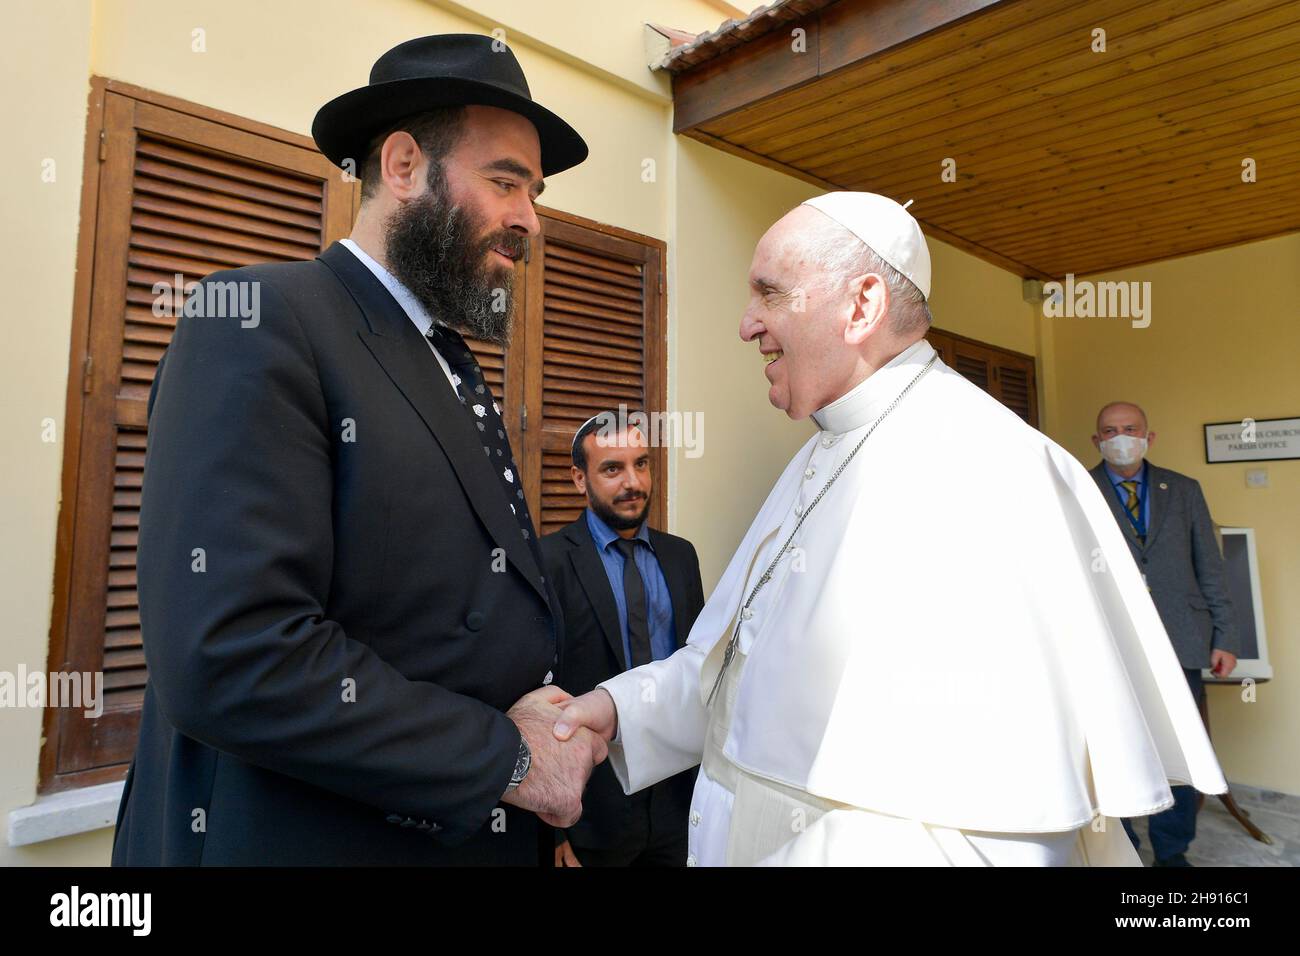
<point>886,227</point>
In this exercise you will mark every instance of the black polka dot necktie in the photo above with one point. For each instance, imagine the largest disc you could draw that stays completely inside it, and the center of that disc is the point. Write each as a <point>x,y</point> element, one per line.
<point>485,413</point>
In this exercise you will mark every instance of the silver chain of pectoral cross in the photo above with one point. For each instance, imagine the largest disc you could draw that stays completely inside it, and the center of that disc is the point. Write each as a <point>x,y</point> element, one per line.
<point>767,575</point>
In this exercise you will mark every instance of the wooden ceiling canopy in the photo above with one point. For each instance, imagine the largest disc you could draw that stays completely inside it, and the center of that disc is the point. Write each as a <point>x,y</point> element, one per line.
<point>1066,160</point>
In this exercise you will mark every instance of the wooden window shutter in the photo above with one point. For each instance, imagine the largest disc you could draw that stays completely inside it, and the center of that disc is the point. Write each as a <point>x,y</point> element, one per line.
<point>174,189</point>
<point>598,293</point>
<point>1006,375</point>
<point>1015,378</point>
<point>942,344</point>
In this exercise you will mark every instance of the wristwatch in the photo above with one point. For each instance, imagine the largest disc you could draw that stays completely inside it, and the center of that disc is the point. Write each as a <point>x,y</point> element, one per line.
<point>524,761</point>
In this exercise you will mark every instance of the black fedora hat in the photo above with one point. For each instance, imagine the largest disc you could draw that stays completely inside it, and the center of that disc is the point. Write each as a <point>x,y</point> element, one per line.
<point>450,69</point>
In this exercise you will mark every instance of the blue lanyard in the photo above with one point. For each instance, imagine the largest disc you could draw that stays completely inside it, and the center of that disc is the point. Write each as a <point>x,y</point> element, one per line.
<point>1140,522</point>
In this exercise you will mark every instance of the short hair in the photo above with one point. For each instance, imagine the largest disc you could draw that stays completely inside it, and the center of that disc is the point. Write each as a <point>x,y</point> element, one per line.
<point>436,131</point>
<point>599,420</point>
<point>1109,405</point>
<point>843,256</point>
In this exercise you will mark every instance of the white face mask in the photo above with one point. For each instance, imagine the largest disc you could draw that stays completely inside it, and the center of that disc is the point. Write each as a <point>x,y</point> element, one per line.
<point>1123,449</point>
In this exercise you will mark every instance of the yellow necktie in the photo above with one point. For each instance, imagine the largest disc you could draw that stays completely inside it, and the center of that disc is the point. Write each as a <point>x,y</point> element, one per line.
<point>1133,505</point>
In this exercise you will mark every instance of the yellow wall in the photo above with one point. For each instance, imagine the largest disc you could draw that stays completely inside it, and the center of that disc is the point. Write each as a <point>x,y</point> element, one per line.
<point>723,206</point>
<point>973,298</point>
<point>1222,345</point>
<point>45,58</point>
<point>278,62</point>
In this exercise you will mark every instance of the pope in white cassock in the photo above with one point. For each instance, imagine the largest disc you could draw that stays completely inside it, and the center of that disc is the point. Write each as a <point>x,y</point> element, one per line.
<point>933,646</point>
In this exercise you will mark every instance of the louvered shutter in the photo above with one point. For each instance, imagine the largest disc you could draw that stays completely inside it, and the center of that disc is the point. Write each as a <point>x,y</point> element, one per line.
<point>1016,388</point>
<point>599,345</point>
<point>1007,376</point>
<point>973,363</point>
<point>179,196</point>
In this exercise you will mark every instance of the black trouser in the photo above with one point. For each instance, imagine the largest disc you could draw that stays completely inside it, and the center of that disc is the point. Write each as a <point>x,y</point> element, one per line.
<point>657,836</point>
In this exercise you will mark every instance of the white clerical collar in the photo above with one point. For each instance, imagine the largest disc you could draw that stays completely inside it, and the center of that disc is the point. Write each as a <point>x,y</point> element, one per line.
<point>864,403</point>
<point>414,310</point>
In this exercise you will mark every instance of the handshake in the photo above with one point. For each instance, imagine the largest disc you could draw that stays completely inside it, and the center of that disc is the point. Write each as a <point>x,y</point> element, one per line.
<point>568,736</point>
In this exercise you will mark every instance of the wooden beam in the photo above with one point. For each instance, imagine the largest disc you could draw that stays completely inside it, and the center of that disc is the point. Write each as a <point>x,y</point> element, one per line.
<point>763,67</point>
<point>835,38</point>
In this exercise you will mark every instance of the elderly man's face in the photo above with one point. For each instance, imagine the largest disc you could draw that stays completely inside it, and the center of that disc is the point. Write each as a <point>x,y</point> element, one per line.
<point>798,323</point>
<point>1121,420</point>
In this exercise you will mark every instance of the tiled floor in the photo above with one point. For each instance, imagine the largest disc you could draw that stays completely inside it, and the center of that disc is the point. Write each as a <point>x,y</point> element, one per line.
<point>1221,840</point>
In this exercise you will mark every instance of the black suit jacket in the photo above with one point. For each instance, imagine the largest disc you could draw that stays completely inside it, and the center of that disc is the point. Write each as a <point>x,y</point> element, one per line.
<point>331,652</point>
<point>592,651</point>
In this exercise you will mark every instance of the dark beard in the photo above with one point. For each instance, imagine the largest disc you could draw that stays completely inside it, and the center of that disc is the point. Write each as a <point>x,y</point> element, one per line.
<point>432,251</point>
<point>613,519</point>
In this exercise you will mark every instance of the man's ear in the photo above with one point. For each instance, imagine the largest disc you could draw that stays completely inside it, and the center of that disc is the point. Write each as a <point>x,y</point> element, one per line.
<point>402,165</point>
<point>1151,438</point>
<point>1096,442</point>
<point>869,297</point>
<point>579,479</point>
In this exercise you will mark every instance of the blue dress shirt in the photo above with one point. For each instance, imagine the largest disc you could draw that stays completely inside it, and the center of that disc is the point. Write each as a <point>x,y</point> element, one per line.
<point>1122,495</point>
<point>659,604</point>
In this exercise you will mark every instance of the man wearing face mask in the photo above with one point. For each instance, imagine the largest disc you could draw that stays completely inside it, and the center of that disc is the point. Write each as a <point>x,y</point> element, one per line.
<point>1168,529</point>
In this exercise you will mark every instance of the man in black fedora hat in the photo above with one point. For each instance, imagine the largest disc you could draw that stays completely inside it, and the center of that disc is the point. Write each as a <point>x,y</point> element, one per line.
<point>349,632</point>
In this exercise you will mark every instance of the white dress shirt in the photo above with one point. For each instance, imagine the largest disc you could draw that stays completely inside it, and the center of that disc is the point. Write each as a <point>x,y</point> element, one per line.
<point>416,312</point>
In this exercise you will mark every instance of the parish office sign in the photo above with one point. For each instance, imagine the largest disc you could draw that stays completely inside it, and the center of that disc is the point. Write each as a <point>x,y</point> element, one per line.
<point>1271,439</point>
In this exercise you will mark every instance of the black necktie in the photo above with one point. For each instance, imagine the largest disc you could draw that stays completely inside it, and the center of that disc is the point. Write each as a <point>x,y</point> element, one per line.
<point>486,414</point>
<point>638,626</point>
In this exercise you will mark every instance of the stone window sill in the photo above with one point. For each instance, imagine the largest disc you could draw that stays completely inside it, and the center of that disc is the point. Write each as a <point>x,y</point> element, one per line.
<point>63,814</point>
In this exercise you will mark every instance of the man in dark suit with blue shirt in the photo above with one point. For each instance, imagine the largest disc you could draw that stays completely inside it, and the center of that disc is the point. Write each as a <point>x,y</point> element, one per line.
<point>1169,532</point>
<point>629,595</point>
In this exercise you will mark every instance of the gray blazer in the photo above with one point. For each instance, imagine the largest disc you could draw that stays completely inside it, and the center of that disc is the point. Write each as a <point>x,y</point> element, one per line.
<point>1182,564</point>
